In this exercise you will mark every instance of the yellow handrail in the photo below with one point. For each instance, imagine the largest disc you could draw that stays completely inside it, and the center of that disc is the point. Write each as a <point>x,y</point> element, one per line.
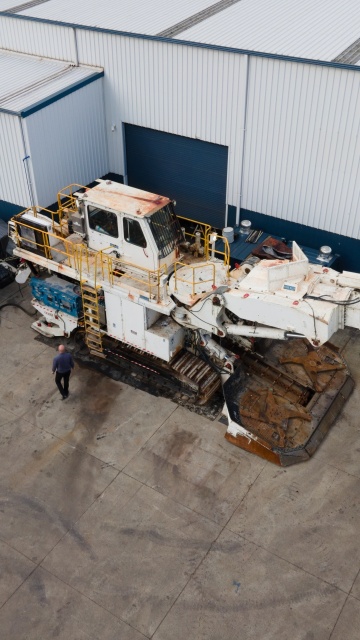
<point>206,231</point>
<point>217,252</point>
<point>37,210</point>
<point>38,246</point>
<point>192,280</point>
<point>98,263</point>
<point>86,262</point>
<point>152,276</point>
<point>203,227</point>
<point>66,198</point>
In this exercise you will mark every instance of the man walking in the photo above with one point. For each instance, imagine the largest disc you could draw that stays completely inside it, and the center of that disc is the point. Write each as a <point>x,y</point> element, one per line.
<point>62,365</point>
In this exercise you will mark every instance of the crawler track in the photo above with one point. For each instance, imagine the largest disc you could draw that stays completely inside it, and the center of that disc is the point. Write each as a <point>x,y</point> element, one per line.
<point>287,400</point>
<point>143,372</point>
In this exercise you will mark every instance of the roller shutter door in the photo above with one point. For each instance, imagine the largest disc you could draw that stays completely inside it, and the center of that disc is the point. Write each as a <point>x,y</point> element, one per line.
<point>192,172</point>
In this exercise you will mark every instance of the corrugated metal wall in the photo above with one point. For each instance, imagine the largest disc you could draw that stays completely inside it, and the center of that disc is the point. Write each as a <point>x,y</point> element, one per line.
<point>36,38</point>
<point>301,154</point>
<point>13,184</point>
<point>302,144</point>
<point>75,150</point>
<point>191,92</point>
<point>318,29</point>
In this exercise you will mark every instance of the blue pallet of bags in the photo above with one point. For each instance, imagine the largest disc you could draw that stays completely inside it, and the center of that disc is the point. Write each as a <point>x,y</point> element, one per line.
<point>57,294</point>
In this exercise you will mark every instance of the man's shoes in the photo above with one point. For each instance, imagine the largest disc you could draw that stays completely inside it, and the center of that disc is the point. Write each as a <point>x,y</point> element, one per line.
<point>64,397</point>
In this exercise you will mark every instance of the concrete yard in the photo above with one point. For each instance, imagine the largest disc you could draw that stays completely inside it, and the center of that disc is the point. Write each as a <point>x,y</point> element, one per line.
<point>124,516</point>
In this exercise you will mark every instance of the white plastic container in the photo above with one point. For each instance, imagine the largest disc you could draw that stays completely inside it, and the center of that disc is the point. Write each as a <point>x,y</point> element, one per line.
<point>228,233</point>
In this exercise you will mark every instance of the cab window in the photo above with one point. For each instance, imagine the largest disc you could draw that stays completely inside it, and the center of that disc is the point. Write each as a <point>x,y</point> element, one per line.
<point>133,233</point>
<point>103,222</point>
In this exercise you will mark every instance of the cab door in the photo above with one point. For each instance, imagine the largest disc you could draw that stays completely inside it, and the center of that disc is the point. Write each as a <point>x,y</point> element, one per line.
<point>138,246</point>
<point>103,229</point>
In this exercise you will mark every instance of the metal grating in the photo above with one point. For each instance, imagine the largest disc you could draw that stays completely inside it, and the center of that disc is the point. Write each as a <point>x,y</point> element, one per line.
<point>26,5</point>
<point>350,55</point>
<point>196,18</point>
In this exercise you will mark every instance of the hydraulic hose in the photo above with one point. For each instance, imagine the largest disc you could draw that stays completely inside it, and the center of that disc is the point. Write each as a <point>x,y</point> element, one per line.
<point>15,304</point>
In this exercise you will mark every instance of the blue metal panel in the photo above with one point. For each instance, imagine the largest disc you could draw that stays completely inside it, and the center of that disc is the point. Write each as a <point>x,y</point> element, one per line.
<point>231,219</point>
<point>57,294</point>
<point>8,210</point>
<point>347,248</point>
<point>192,172</point>
<point>240,250</point>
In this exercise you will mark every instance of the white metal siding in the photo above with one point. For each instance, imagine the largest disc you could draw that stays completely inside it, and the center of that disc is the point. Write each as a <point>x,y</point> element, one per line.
<point>28,80</point>
<point>302,154</point>
<point>28,36</point>
<point>13,185</point>
<point>67,142</point>
<point>190,92</point>
<point>140,16</point>
<point>315,29</point>
<point>302,145</point>
<point>318,29</point>
<point>5,5</point>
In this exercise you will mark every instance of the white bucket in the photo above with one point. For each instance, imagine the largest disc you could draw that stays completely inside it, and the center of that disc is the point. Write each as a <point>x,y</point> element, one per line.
<point>228,233</point>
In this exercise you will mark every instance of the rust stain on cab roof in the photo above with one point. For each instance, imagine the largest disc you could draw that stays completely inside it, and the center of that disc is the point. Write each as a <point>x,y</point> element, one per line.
<point>125,199</point>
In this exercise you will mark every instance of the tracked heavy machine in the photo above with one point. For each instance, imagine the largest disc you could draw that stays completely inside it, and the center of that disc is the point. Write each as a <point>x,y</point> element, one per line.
<point>157,289</point>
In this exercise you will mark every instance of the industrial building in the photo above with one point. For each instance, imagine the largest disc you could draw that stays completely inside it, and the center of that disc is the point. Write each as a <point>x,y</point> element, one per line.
<point>125,513</point>
<point>235,109</point>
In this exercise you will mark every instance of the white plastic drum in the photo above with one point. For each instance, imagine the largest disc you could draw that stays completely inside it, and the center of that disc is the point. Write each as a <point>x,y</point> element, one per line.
<point>228,233</point>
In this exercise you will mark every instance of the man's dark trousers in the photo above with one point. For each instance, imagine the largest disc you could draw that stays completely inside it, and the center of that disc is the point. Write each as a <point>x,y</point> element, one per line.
<point>64,390</point>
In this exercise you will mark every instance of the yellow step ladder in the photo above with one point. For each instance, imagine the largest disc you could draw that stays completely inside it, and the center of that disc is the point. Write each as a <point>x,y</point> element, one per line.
<point>90,301</point>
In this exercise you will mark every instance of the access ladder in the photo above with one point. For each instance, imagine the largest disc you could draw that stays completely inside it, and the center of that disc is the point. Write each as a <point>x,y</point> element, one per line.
<point>90,301</point>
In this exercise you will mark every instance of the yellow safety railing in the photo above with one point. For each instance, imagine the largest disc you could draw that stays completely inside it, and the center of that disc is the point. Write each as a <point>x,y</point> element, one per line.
<point>105,262</point>
<point>148,278</point>
<point>36,211</point>
<point>202,227</point>
<point>192,280</point>
<point>54,245</point>
<point>84,257</point>
<point>206,232</point>
<point>38,241</point>
<point>66,198</point>
<point>215,253</point>
<point>88,264</point>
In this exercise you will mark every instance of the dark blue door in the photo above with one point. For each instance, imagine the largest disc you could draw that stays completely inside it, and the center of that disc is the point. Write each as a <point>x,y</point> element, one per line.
<point>192,172</point>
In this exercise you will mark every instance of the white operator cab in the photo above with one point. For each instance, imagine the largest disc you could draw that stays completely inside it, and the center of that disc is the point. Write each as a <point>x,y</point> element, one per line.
<point>139,227</point>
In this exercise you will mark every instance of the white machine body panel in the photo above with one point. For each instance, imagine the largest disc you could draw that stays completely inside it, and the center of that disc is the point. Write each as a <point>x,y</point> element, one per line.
<point>164,338</point>
<point>315,320</point>
<point>134,323</point>
<point>114,316</point>
<point>142,327</point>
<point>53,322</point>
